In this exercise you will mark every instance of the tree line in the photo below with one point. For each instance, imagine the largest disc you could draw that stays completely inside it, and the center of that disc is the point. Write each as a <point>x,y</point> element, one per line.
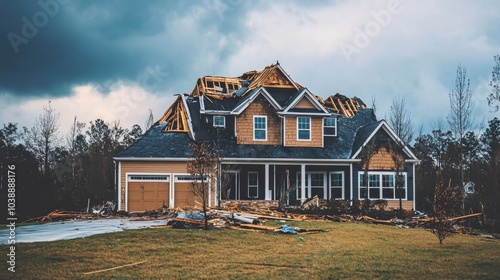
<point>457,158</point>
<point>61,172</point>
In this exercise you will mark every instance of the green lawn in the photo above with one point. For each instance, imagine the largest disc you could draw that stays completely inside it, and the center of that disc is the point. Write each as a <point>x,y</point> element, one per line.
<point>347,250</point>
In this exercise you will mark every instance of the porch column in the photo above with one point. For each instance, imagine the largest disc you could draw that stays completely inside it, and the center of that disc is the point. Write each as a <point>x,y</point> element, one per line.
<point>302,183</point>
<point>266,182</point>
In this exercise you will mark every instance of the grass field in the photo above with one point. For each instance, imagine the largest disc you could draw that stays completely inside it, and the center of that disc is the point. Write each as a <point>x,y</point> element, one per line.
<point>346,251</point>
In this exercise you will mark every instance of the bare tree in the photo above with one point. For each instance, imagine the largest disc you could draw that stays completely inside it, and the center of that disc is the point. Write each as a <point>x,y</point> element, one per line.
<point>400,119</point>
<point>401,122</point>
<point>460,118</point>
<point>494,96</point>
<point>461,104</point>
<point>202,165</point>
<point>366,155</point>
<point>71,142</point>
<point>42,138</point>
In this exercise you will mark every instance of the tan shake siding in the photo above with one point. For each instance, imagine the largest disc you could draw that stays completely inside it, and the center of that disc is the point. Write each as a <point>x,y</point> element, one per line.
<point>304,103</point>
<point>244,124</point>
<point>145,167</point>
<point>291,133</point>
<point>382,160</point>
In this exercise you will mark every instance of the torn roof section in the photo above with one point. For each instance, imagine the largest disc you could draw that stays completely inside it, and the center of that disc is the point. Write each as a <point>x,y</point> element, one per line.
<point>223,95</point>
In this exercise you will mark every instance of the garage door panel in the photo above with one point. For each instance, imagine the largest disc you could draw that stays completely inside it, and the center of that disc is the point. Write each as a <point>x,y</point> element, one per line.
<point>184,196</point>
<point>143,196</point>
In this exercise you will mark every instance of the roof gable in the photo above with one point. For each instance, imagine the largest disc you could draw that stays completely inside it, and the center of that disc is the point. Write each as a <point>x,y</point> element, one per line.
<point>366,134</point>
<point>251,97</point>
<point>304,102</point>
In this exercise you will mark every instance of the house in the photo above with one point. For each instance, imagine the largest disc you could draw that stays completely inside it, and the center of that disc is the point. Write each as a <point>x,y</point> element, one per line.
<point>276,141</point>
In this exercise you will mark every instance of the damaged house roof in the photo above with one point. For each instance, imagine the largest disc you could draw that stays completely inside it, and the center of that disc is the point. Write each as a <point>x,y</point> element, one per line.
<point>186,118</point>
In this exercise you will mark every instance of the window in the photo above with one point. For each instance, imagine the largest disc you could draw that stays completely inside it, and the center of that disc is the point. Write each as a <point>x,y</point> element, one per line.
<point>315,184</point>
<point>337,185</point>
<point>387,186</point>
<point>148,177</point>
<point>219,121</point>
<point>259,128</point>
<point>303,128</point>
<point>189,178</point>
<point>382,185</point>
<point>330,127</point>
<point>253,184</point>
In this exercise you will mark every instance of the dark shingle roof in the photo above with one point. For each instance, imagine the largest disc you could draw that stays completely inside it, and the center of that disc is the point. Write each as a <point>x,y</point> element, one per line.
<point>226,104</point>
<point>282,95</point>
<point>363,134</point>
<point>157,144</point>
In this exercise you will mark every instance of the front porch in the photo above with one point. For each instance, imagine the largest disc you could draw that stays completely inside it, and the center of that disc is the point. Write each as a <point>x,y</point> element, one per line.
<point>291,184</point>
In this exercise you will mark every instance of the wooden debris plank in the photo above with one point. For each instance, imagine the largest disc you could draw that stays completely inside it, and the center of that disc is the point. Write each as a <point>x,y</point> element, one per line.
<point>188,221</point>
<point>261,227</point>
<point>260,216</point>
<point>113,268</point>
<point>245,229</point>
<point>465,216</point>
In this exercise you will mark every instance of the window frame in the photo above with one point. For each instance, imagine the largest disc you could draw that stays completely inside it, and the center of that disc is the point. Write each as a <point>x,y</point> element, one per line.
<point>329,126</point>
<point>310,186</point>
<point>223,118</point>
<point>303,129</point>
<point>253,186</point>
<point>330,185</point>
<point>259,129</point>
<point>372,187</point>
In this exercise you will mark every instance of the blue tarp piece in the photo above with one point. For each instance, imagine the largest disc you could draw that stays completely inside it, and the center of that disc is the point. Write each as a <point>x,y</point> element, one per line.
<point>287,229</point>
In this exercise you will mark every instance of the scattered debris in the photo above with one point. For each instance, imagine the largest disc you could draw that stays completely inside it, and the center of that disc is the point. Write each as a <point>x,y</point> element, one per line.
<point>249,216</point>
<point>311,202</point>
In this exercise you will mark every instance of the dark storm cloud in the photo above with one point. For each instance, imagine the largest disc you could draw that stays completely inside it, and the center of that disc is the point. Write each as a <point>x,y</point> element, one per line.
<point>48,46</point>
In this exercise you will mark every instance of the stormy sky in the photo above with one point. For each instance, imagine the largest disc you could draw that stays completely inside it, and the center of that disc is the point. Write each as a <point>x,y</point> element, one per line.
<point>117,59</point>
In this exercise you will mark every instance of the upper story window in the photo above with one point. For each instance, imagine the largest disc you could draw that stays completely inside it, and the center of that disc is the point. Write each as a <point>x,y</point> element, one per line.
<point>303,128</point>
<point>219,121</point>
<point>330,126</point>
<point>259,127</point>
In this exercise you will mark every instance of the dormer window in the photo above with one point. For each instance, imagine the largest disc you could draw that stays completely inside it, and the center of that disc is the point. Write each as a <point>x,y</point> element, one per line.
<point>219,121</point>
<point>330,126</point>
